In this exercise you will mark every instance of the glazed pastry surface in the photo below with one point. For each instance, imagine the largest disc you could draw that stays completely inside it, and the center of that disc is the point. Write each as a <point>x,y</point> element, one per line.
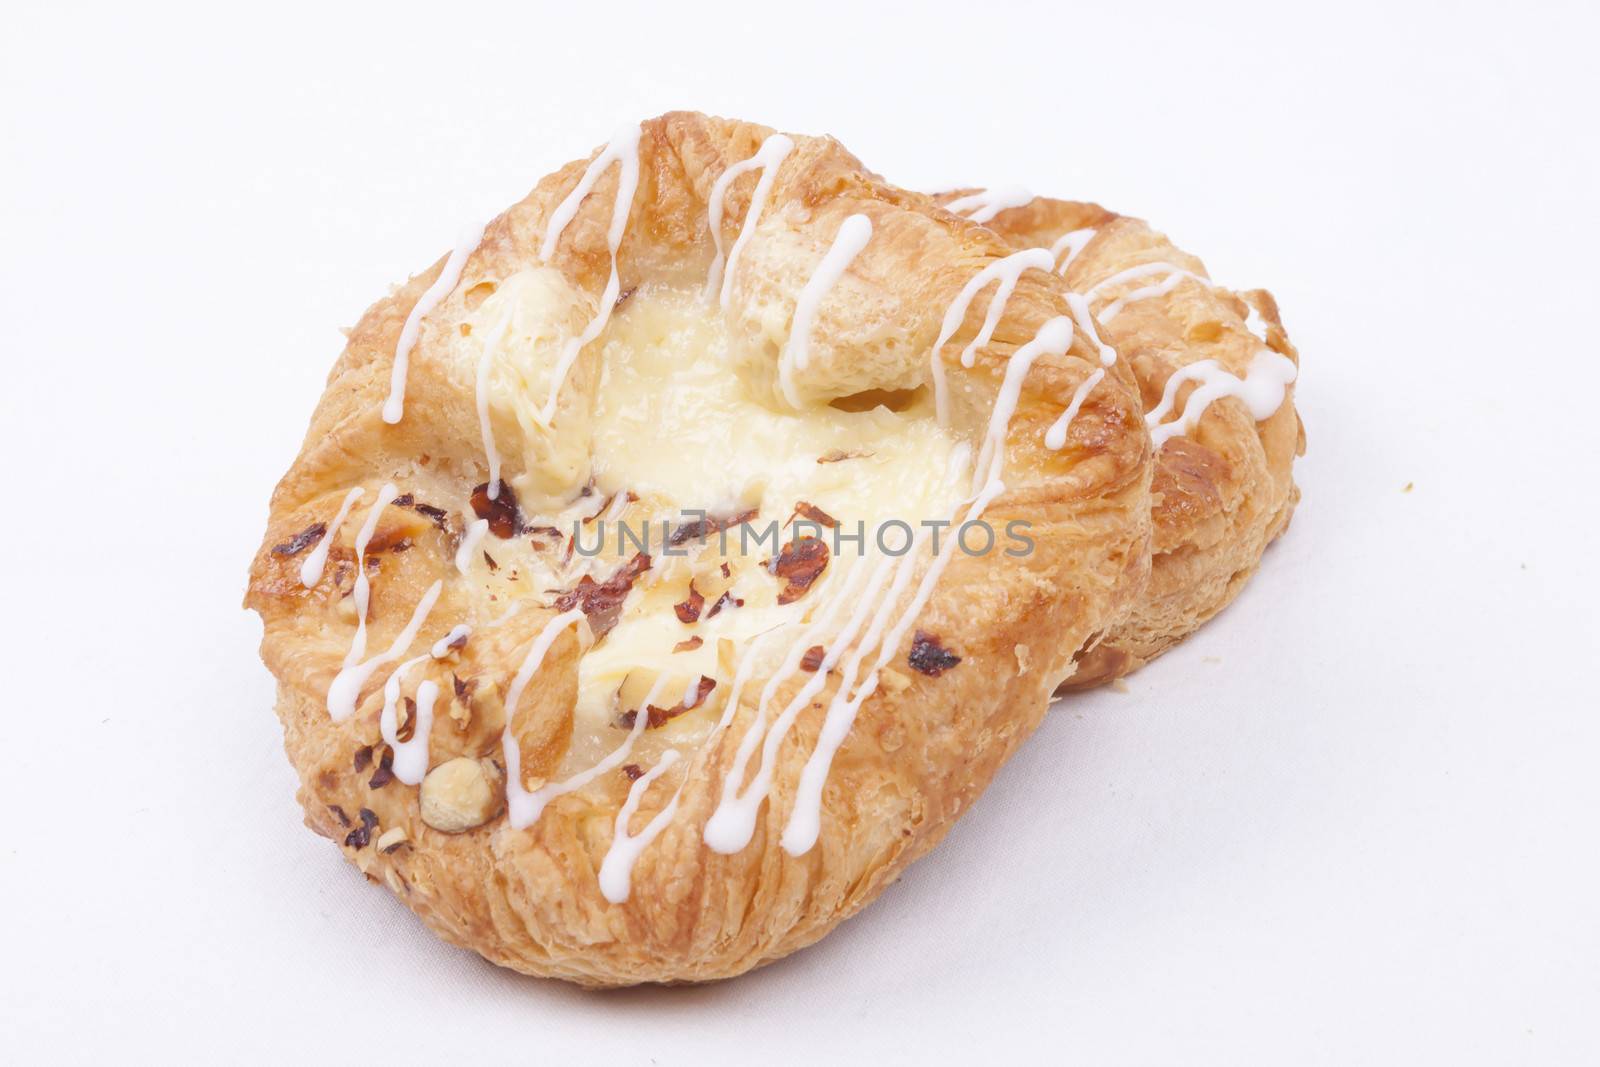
<point>615,762</point>
<point>1223,486</point>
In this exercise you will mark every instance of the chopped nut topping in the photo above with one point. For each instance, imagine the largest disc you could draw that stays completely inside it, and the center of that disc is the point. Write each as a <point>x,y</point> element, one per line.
<point>385,772</point>
<point>700,529</point>
<point>505,518</point>
<point>600,509</point>
<point>799,564</point>
<point>392,535</point>
<point>929,657</point>
<point>689,610</point>
<point>835,455</point>
<point>815,514</point>
<point>690,645</point>
<point>633,771</point>
<point>461,706</point>
<point>638,684</point>
<point>302,540</point>
<point>723,601</point>
<point>361,836</point>
<point>408,722</point>
<point>438,516</point>
<point>338,813</point>
<point>659,716</point>
<point>391,839</point>
<point>813,658</point>
<point>602,601</point>
<point>363,758</point>
<point>493,566</point>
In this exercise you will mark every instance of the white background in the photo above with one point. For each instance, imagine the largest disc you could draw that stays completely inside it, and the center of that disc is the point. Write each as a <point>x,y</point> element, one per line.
<point>1352,821</point>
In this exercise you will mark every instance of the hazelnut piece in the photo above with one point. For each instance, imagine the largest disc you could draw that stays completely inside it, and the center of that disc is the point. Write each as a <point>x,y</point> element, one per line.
<point>459,795</point>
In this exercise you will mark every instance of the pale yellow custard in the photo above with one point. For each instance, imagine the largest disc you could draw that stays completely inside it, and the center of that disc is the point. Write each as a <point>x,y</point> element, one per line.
<point>674,423</point>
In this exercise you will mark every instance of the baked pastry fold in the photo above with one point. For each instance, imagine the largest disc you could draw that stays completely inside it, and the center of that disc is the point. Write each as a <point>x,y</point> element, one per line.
<point>1223,486</point>
<point>675,762</point>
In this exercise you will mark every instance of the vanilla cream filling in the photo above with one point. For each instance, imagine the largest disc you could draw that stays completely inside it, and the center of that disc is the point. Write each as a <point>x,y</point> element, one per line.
<point>674,419</point>
<point>658,407</point>
<point>675,423</point>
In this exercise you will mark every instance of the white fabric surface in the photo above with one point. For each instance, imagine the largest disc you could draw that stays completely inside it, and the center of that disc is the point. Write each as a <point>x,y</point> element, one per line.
<point>1351,821</point>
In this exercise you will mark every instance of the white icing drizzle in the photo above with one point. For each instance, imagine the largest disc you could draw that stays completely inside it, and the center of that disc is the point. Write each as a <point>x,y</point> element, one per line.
<point>690,691</point>
<point>1056,436</point>
<point>458,632</point>
<point>616,870</point>
<point>733,822</point>
<point>347,683</point>
<point>1175,275</point>
<point>311,569</point>
<point>804,824</point>
<point>1006,272</point>
<point>360,593</point>
<point>987,203</point>
<point>793,840</point>
<point>1142,270</point>
<point>470,538</point>
<point>491,345</point>
<point>1080,314</point>
<point>741,676</point>
<point>725,830</point>
<point>853,235</point>
<point>443,285</point>
<point>622,150</point>
<point>1262,390</point>
<point>410,757</point>
<point>769,157</point>
<point>1054,338</point>
<point>1072,243</point>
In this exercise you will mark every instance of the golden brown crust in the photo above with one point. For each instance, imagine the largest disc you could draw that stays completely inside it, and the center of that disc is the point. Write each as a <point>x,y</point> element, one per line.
<point>920,752</point>
<point>1221,493</point>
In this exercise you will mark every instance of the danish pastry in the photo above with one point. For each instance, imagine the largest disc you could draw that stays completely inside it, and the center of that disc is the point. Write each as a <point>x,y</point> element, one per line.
<point>534,675</point>
<point>1215,369</point>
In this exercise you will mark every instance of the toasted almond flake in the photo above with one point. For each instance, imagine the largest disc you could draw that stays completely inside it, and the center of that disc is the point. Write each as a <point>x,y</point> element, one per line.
<point>391,839</point>
<point>893,680</point>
